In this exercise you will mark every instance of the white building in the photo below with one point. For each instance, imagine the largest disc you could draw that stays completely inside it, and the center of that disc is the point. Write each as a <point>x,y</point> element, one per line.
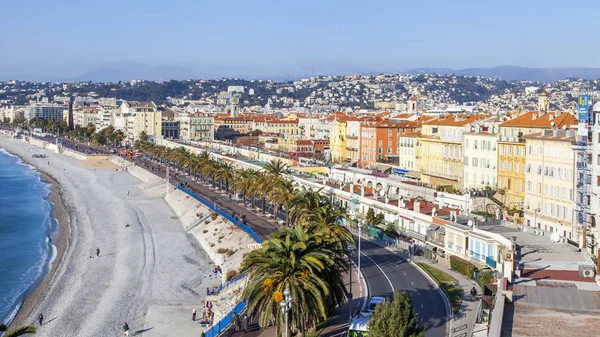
<point>407,146</point>
<point>46,111</point>
<point>550,182</point>
<point>481,157</point>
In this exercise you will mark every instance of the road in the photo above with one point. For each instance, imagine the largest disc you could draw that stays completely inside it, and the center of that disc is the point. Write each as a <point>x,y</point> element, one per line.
<point>384,271</point>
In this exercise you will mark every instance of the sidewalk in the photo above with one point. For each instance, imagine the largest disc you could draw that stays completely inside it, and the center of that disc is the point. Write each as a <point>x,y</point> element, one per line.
<point>463,322</point>
<point>338,324</point>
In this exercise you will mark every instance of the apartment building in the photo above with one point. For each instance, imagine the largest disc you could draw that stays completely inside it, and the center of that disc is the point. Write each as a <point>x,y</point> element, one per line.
<point>45,111</point>
<point>550,182</point>
<point>197,126</point>
<point>441,153</point>
<point>407,151</point>
<point>481,158</point>
<point>139,117</point>
<point>512,153</point>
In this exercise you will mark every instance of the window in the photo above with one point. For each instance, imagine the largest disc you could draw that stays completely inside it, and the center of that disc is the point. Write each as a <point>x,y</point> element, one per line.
<point>538,188</point>
<point>529,149</point>
<point>466,161</point>
<point>474,162</point>
<point>539,169</point>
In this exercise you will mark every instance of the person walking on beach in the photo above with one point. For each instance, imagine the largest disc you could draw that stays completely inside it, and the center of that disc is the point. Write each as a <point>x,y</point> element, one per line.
<point>473,293</point>
<point>194,314</point>
<point>97,252</point>
<point>127,193</point>
<point>41,319</point>
<point>126,329</point>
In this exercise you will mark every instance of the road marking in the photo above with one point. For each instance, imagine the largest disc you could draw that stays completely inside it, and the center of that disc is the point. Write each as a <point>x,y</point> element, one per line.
<point>421,306</point>
<point>384,274</point>
<point>404,273</point>
<point>411,282</point>
<point>418,293</point>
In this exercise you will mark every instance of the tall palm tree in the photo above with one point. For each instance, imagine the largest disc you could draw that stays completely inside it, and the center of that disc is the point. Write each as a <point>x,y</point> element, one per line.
<point>18,331</point>
<point>281,192</point>
<point>301,261</point>
<point>224,173</point>
<point>275,168</point>
<point>304,203</point>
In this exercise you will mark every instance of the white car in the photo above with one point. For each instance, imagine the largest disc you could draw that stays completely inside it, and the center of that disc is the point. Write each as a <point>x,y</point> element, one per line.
<point>373,303</point>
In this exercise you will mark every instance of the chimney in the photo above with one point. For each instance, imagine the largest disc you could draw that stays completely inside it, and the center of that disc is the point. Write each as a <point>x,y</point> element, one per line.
<point>417,206</point>
<point>440,201</point>
<point>433,212</point>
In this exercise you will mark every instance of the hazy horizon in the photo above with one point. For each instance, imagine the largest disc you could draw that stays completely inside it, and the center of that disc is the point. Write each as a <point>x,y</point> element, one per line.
<point>273,39</point>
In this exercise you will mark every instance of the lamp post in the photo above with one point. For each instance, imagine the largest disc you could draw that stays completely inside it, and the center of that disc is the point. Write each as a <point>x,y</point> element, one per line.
<point>359,230</point>
<point>286,306</point>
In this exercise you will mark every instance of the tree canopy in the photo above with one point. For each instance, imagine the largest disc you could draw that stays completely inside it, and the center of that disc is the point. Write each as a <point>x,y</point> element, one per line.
<point>396,318</point>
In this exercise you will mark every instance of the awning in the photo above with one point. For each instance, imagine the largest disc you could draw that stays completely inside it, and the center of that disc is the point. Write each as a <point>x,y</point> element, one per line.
<point>382,167</point>
<point>354,201</point>
<point>400,171</point>
<point>442,230</point>
<point>433,227</point>
<point>413,174</point>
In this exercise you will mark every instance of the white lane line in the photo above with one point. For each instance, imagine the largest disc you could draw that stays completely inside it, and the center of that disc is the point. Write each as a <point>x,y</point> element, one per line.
<point>404,274</point>
<point>411,282</point>
<point>418,293</point>
<point>384,274</point>
<point>421,306</point>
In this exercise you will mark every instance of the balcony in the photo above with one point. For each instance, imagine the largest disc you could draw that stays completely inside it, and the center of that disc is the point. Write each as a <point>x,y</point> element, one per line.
<point>352,136</point>
<point>490,262</point>
<point>474,255</point>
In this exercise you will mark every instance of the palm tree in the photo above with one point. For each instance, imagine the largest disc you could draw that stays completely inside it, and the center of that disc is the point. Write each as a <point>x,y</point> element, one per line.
<point>224,172</point>
<point>18,331</point>
<point>275,168</point>
<point>302,261</point>
<point>281,192</point>
<point>304,203</point>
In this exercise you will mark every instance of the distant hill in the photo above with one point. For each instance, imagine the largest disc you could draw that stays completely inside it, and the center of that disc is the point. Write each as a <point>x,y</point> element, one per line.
<point>134,71</point>
<point>512,73</point>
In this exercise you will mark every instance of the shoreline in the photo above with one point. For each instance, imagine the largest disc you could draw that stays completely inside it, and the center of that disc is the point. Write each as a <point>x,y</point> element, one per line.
<point>36,295</point>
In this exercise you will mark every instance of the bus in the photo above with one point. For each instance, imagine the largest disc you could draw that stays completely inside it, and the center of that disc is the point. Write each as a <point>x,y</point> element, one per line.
<point>359,327</point>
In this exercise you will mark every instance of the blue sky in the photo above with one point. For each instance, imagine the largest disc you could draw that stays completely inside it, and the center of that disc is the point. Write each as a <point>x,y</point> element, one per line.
<point>66,37</point>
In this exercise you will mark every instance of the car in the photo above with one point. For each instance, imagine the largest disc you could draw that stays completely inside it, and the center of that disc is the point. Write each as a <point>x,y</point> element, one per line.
<point>373,303</point>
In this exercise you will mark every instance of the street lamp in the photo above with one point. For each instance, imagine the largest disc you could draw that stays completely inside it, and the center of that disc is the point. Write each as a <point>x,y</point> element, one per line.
<point>286,306</point>
<point>359,230</point>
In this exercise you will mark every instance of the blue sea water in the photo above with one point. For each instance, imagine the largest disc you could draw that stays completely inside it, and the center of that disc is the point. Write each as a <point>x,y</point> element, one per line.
<point>26,231</point>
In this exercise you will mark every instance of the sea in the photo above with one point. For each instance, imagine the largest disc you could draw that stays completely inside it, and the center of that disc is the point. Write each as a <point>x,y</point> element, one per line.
<point>27,228</point>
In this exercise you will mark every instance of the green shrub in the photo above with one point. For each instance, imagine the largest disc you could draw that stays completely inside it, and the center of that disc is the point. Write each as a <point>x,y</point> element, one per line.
<point>486,278</point>
<point>462,266</point>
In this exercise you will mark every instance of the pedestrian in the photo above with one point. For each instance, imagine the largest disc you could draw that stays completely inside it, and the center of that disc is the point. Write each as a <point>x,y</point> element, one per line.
<point>41,319</point>
<point>473,293</point>
<point>98,252</point>
<point>234,321</point>
<point>126,329</point>
<point>245,323</point>
<point>127,225</point>
<point>194,314</point>
<point>48,163</point>
<point>238,323</point>
<point>127,193</point>
<point>202,334</point>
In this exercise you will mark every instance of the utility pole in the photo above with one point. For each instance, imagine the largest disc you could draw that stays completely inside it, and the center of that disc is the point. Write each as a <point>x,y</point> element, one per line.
<point>167,181</point>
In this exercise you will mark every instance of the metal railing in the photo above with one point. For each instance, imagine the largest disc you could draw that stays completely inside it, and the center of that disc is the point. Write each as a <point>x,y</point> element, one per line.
<point>217,290</point>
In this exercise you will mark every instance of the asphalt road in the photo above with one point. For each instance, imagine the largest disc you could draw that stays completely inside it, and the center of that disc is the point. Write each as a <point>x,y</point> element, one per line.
<point>384,271</point>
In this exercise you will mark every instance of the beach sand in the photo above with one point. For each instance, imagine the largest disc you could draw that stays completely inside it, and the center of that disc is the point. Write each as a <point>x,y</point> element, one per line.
<point>153,262</point>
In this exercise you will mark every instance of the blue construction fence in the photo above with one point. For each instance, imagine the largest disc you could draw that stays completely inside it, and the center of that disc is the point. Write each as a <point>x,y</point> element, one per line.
<point>216,329</point>
<point>217,290</point>
<point>215,208</point>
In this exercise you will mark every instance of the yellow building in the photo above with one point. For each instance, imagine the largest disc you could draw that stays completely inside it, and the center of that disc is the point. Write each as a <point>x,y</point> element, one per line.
<point>141,117</point>
<point>288,128</point>
<point>441,157</point>
<point>338,139</point>
<point>512,154</point>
